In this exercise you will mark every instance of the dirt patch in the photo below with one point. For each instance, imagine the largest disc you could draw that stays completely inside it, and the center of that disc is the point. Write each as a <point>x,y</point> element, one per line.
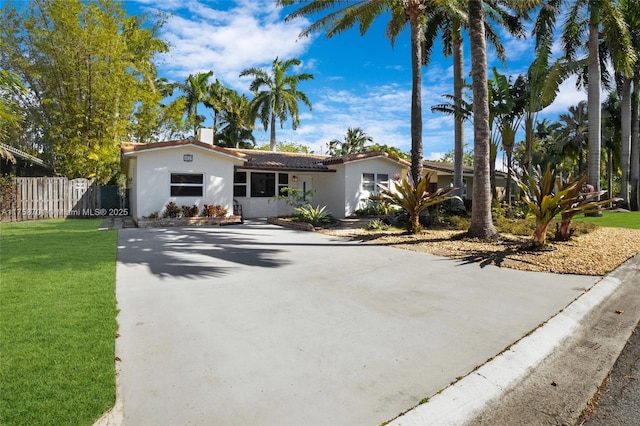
<point>595,253</point>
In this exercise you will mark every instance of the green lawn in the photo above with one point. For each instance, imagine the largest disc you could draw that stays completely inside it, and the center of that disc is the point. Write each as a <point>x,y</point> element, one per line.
<point>57,322</point>
<point>614,219</point>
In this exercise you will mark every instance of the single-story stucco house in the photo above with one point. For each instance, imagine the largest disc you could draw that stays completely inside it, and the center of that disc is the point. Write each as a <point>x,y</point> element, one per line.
<point>190,172</point>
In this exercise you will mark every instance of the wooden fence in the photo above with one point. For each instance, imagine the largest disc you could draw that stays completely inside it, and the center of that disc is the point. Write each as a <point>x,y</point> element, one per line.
<point>48,198</point>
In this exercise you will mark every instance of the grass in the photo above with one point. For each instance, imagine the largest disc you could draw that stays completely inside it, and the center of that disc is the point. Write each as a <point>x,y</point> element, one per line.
<point>630,220</point>
<point>57,322</point>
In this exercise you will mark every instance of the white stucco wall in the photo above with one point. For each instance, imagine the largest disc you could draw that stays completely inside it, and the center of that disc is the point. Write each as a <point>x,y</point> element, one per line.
<point>260,207</point>
<point>354,195</point>
<point>132,185</point>
<point>152,172</point>
<point>329,191</point>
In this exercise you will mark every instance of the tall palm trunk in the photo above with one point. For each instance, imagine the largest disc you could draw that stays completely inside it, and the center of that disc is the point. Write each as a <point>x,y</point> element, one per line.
<point>528,141</point>
<point>415,15</point>
<point>625,130</point>
<point>594,99</point>
<point>272,137</point>
<point>609,172</point>
<point>635,146</point>
<point>481,221</point>
<point>458,85</point>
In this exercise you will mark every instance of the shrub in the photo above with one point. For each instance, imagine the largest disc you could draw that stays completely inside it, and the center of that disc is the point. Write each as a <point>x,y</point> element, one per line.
<point>452,206</point>
<point>294,197</point>
<point>171,210</point>
<point>461,223</point>
<point>579,201</point>
<point>190,211</point>
<point>375,205</point>
<point>548,195</point>
<point>314,215</point>
<point>214,211</point>
<point>377,225</point>
<point>8,192</point>
<point>414,199</point>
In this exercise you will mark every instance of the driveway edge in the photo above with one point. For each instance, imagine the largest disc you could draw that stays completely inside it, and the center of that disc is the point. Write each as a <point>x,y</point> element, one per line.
<point>501,389</point>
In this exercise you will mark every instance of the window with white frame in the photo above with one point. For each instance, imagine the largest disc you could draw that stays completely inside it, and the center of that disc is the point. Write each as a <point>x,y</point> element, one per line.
<point>375,182</point>
<point>187,184</point>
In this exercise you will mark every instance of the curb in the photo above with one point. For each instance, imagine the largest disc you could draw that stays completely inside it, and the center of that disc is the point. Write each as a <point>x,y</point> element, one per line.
<point>463,400</point>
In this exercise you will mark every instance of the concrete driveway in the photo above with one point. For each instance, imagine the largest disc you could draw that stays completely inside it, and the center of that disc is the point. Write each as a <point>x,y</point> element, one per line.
<point>259,325</point>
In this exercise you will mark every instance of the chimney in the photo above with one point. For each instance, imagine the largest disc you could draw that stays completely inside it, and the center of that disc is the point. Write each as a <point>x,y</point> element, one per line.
<point>205,135</point>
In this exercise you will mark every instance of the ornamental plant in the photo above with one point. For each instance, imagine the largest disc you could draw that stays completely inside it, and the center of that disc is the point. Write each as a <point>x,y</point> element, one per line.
<point>214,211</point>
<point>582,200</point>
<point>314,215</point>
<point>189,211</point>
<point>171,210</point>
<point>415,199</point>
<point>548,194</point>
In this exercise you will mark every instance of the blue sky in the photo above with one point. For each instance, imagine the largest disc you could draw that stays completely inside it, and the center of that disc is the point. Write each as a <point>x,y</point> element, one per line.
<point>360,81</point>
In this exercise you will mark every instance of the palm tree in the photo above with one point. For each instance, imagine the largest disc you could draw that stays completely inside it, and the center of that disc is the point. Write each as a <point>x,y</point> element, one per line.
<point>574,136</point>
<point>401,13</point>
<point>602,13</point>
<point>631,13</point>
<point>353,142</point>
<point>611,136</point>
<point>277,95</point>
<point>635,146</point>
<point>195,91</point>
<point>236,122</point>
<point>542,83</point>
<point>481,220</point>
<point>509,101</point>
<point>625,69</point>
<point>451,27</point>
<point>217,98</point>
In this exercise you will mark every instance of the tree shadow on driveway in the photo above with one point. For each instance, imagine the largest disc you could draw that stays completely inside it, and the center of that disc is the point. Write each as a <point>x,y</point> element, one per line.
<point>193,253</point>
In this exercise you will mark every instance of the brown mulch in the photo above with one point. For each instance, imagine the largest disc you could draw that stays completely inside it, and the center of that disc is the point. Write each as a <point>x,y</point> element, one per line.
<point>595,253</point>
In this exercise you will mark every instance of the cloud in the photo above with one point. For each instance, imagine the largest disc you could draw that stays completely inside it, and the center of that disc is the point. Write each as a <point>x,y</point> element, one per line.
<point>205,36</point>
<point>435,156</point>
<point>568,96</point>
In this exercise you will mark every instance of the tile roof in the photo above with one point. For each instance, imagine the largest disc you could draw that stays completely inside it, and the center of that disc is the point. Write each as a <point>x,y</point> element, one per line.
<point>269,160</point>
<point>363,155</point>
<point>128,147</point>
<point>444,167</point>
<point>448,168</point>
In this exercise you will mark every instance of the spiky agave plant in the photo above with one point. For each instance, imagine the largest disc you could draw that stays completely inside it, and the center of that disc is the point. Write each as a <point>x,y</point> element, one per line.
<point>414,199</point>
<point>579,201</point>
<point>314,215</point>
<point>546,195</point>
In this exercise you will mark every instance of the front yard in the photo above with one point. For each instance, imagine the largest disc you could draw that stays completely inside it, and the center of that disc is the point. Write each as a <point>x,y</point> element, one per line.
<point>58,308</point>
<point>594,250</point>
<point>57,322</point>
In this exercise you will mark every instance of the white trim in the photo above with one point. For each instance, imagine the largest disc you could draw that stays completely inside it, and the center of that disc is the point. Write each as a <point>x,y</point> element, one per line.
<point>162,148</point>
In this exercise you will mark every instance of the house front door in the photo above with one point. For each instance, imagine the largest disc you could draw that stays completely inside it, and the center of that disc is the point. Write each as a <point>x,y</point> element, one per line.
<point>305,183</point>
